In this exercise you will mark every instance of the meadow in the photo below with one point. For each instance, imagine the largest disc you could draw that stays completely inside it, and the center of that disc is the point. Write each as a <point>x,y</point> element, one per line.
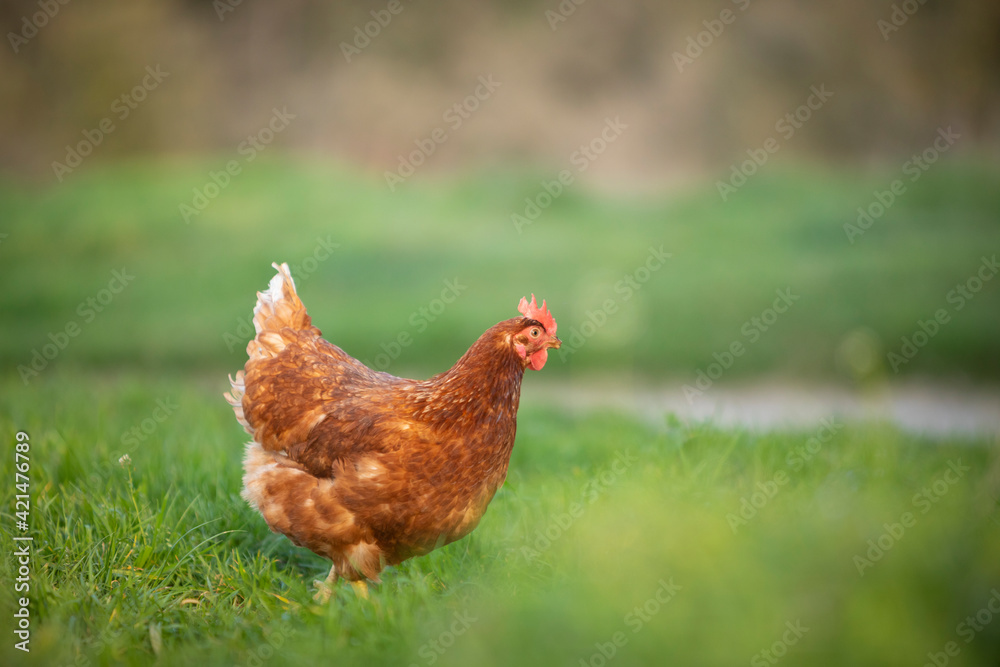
<point>614,541</point>
<point>368,261</point>
<point>676,545</point>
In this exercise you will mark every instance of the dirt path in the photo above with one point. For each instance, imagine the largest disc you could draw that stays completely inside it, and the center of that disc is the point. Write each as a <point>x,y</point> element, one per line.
<point>932,409</point>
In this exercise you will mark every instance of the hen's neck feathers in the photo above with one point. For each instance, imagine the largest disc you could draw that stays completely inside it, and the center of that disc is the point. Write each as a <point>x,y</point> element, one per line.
<point>481,391</point>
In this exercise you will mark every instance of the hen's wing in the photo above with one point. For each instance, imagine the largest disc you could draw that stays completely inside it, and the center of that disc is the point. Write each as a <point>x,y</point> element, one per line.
<point>304,396</point>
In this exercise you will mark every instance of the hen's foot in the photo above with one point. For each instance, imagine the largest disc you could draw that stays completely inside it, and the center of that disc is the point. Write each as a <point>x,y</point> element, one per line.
<point>325,588</point>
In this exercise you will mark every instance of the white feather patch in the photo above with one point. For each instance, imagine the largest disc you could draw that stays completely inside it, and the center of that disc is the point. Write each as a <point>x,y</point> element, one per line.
<point>275,291</point>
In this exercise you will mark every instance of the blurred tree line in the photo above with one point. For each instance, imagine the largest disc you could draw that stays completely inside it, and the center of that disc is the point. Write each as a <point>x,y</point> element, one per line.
<point>563,68</point>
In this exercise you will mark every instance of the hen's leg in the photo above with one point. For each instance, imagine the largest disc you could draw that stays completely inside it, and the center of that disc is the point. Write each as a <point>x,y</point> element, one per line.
<point>361,588</point>
<point>325,588</point>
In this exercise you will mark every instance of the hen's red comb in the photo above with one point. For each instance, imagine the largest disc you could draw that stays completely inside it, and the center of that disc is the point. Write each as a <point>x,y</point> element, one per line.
<point>542,314</point>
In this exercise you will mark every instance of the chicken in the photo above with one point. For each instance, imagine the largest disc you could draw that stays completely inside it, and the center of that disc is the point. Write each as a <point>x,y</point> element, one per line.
<point>365,468</point>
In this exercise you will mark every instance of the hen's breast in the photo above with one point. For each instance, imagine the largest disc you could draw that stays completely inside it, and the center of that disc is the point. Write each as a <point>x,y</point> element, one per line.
<point>421,494</point>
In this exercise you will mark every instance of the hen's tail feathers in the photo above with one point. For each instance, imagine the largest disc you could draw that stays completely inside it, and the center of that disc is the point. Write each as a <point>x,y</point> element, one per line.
<point>277,308</point>
<point>235,399</point>
<point>277,317</point>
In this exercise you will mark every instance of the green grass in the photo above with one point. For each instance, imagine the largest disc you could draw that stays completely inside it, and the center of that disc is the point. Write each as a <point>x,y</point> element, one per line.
<point>161,556</point>
<point>194,283</point>
<point>165,546</point>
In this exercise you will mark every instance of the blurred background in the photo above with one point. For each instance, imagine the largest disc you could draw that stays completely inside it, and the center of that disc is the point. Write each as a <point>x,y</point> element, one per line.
<point>562,71</point>
<point>361,94</point>
<point>846,153</point>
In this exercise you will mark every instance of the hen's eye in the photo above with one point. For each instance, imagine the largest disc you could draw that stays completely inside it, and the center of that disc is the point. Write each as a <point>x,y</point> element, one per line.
<point>535,333</point>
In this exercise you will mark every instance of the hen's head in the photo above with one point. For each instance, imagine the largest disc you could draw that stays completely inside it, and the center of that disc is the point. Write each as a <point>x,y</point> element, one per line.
<point>537,334</point>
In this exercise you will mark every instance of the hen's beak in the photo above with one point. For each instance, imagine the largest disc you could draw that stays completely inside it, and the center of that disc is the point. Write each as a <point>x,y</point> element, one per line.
<point>555,343</point>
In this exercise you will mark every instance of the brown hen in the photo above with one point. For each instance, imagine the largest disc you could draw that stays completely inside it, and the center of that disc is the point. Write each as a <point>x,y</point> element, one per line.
<point>365,468</point>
